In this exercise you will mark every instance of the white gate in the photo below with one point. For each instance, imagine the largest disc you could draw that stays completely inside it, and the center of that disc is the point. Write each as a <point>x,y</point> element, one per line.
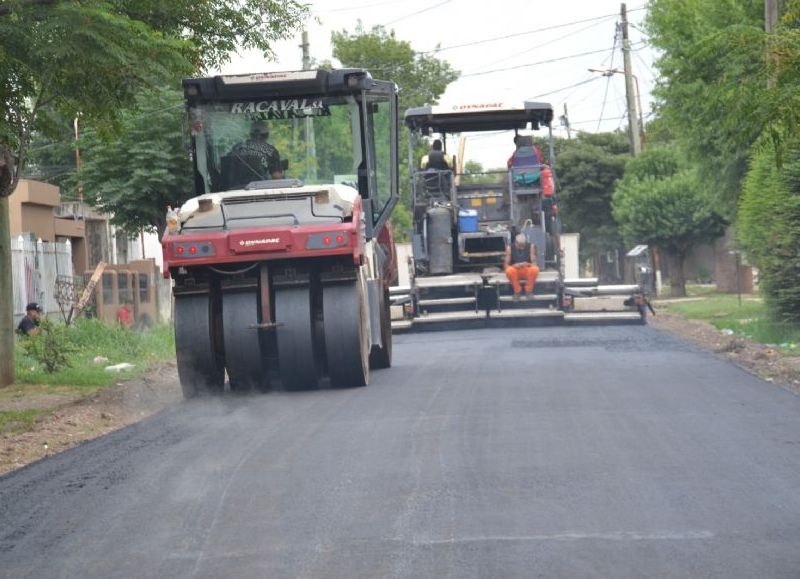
<point>35,266</point>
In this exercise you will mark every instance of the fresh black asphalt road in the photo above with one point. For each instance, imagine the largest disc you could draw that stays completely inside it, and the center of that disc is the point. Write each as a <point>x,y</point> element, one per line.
<point>550,452</point>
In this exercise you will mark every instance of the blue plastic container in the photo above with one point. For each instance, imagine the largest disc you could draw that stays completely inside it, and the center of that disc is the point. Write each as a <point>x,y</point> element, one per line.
<point>467,220</point>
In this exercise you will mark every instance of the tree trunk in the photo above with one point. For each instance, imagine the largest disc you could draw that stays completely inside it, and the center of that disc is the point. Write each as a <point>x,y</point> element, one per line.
<point>7,302</point>
<point>596,260</point>
<point>677,279</point>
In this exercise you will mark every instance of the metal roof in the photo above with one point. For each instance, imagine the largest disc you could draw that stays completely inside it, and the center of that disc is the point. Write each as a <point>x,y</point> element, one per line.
<point>488,116</point>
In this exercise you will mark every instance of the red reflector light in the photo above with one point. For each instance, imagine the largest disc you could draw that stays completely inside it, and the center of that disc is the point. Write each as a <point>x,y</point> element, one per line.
<point>326,240</point>
<point>192,249</point>
<point>179,250</point>
<point>340,239</point>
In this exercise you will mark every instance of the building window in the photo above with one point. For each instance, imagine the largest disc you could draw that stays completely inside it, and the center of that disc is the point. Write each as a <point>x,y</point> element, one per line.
<point>123,279</point>
<point>108,288</point>
<point>144,288</point>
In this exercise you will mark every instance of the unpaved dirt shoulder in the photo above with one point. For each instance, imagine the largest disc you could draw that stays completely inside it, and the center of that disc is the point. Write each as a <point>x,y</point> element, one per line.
<point>763,361</point>
<point>74,421</point>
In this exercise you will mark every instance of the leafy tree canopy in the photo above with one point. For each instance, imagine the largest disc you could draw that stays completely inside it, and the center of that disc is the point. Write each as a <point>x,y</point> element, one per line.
<point>92,56</point>
<point>769,227</point>
<point>145,167</point>
<point>713,76</point>
<point>422,80</point>
<point>660,201</point>
<point>588,168</point>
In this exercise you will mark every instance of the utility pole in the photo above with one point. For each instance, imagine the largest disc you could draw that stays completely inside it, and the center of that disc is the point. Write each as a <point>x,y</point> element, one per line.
<point>78,159</point>
<point>311,146</point>
<point>770,15</point>
<point>565,122</point>
<point>633,118</point>
<point>770,22</point>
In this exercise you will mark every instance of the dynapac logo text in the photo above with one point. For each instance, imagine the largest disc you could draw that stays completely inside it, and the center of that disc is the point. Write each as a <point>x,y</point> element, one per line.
<point>264,241</point>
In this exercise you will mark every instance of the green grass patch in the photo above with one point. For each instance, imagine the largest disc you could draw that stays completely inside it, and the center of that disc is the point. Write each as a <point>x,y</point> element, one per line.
<point>749,319</point>
<point>92,338</point>
<point>692,290</point>
<point>17,420</point>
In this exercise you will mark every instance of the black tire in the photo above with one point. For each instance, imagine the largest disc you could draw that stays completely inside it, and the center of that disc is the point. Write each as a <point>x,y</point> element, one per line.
<point>243,355</point>
<point>381,356</point>
<point>297,356</point>
<point>199,368</point>
<point>346,338</point>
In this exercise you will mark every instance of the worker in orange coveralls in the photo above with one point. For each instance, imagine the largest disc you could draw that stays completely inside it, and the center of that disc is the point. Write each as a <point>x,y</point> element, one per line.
<point>520,263</point>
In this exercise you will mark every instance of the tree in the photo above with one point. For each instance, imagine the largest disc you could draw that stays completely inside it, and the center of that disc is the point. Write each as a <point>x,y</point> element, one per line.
<point>422,78</point>
<point>474,173</point>
<point>769,228</point>
<point>92,57</point>
<point>660,201</point>
<point>588,169</point>
<point>713,74</point>
<point>143,167</point>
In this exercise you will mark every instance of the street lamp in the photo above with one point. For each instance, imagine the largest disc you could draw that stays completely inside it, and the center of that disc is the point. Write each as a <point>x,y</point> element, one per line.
<point>609,72</point>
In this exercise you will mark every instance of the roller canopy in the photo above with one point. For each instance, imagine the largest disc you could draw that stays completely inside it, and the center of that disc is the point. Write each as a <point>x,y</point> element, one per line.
<point>278,84</point>
<point>479,117</point>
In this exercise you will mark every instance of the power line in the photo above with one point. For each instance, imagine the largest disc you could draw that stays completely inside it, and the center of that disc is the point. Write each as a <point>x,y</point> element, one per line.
<point>92,131</point>
<point>417,12</point>
<point>550,42</point>
<point>647,66</point>
<point>526,32</point>
<point>361,6</point>
<point>583,82</point>
<point>608,79</point>
<point>548,61</point>
<point>632,25</point>
<point>586,122</point>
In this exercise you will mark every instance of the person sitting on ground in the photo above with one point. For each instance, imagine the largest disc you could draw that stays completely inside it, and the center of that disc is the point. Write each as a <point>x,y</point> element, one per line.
<point>437,158</point>
<point>520,263</point>
<point>255,158</point>
<point>29,325</point>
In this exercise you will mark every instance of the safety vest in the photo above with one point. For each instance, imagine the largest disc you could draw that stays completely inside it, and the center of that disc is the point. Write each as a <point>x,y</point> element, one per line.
<point>547,182</point>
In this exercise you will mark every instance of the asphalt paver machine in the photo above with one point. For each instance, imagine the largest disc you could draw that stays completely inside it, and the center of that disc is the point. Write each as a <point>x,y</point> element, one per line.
<point>465,219</point>
<point>282,262</point>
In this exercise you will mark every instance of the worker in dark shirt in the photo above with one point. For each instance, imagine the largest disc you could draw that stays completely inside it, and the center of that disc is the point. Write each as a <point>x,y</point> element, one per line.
<point>29,325</point>
<point>433,164</point>
<point>437,158</point>
<point>255,158</point>
<point>520,263</point>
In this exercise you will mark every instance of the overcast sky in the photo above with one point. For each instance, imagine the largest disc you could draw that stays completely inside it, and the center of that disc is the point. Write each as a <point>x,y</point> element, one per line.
<point>514,39</point>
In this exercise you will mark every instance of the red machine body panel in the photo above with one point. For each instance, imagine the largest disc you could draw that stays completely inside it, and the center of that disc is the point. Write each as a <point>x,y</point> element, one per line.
<point>264,243</point>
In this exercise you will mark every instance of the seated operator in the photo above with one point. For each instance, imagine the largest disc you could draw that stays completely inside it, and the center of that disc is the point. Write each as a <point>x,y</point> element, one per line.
<point>526,152</point>
<point>520,263</point>
<point>436,158</point>
<point>255,159</point>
